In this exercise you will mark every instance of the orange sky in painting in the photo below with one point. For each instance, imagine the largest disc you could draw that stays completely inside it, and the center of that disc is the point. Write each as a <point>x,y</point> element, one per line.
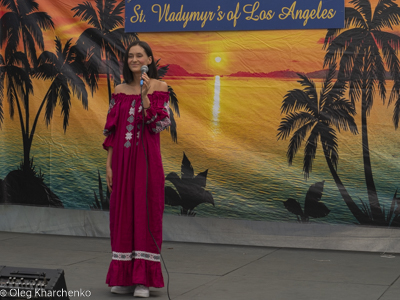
<point>253,51</point>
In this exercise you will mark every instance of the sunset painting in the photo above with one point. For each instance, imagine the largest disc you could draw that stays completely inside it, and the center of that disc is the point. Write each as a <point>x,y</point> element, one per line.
<point>286,125</point>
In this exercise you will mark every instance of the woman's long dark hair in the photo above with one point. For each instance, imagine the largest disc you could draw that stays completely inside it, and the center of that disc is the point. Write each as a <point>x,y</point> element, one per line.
<point>127,73</point>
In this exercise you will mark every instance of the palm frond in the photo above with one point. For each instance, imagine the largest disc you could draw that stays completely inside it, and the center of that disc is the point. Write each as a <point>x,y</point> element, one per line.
<point>310,151</point>
<point>292,121</point>
<point>115,41</point>
<point>26,7</point>
<point>327,85</point>
<point>114,15</point>
<point>67,48</point>
<point>119,9</point>
<point>11,97</point>
<point>9,32</point>
<point>84,64</point>
<point>128,38</point>
<point>51,100</point>
<point>396,113</point>
<point>161,71</point>
<point>341,114</point>
<point>387,14</point>
<point>330,145</point>
<point>31,29</point>
<point>64,96</point>
<point>364,7</point>
<point>17,78</point>
<point>113,64</point>
<point>173,100</point>
<point>309,87</point>
<point>21,79</point>
<point>298,100</point>
<point>390,45</point>
<point>353,18</point>
<point>46,68</point>
<point>355,86</point>
<point>338,46</point>
<point>297,138</point>
<point>2,73</point>
<point>29,43</point>
<point>172,128</point>
<point>87,13</point>
<point>78,88</point>
<point>10,4</point>
<point>379,71</point>
<point>43,19</point>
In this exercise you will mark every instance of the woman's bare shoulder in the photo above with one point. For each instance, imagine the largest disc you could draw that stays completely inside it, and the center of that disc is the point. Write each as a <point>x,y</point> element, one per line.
<point>159,85</point>
<point>120,88</point>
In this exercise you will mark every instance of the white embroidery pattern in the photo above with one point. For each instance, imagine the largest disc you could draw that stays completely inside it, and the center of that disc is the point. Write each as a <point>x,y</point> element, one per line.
<point>122,256</point>
<point>128,135</point>
<point>146,255</point>
<point>112,103</point>
<point>164,123</point>
<point>128,256</point>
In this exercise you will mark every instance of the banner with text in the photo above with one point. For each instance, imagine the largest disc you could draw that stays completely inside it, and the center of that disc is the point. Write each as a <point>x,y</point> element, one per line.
<point>223,15</point>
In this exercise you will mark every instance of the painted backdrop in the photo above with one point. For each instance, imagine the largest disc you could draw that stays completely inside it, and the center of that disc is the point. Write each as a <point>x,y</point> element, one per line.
<point>284,125</point>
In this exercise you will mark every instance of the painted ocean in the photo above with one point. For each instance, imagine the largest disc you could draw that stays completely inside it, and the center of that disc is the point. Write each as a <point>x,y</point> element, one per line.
<point>228,126</point>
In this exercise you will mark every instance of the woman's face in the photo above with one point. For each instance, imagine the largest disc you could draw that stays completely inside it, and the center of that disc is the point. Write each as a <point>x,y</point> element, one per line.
<point>137,58</point>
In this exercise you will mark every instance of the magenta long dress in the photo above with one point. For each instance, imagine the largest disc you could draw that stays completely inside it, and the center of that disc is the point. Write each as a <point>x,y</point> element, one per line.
<point>135,258</point>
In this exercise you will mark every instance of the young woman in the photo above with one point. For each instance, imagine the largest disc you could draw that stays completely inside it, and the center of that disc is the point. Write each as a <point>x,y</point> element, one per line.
<point>135,175</point>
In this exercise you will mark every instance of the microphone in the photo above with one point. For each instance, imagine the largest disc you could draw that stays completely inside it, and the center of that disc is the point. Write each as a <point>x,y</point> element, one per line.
<point>143,69</point>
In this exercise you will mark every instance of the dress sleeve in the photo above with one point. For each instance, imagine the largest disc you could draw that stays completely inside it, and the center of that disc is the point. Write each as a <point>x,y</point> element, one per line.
<point>157,116</point>
<point>111,123</point>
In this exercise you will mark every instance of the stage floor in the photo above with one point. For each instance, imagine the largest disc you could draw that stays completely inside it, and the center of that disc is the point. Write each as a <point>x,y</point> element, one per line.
<point>216,272</point>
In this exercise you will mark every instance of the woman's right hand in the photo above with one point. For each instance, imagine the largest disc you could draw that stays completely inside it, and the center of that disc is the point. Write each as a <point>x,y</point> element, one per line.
<point>109,179</point>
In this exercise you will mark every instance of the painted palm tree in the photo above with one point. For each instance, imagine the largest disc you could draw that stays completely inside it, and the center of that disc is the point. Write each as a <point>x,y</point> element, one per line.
<point>16,81</point>
<point>23,23</point>
<point>59,68</point>
<point>362,48</point>
<point>313,120</point>
<point>105,40</point>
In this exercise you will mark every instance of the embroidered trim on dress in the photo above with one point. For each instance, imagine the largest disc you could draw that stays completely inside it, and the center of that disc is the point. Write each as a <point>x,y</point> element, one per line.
<point>128,135</point>
<point>146,255</point>
<point>106,132</point>
<point>152,119</point>
<point>112,103</point>
<point>162,124</point>
<point>121,256</point>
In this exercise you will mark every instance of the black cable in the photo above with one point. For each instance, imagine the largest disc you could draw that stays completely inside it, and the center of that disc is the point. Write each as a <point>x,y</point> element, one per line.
<point>147,183</point>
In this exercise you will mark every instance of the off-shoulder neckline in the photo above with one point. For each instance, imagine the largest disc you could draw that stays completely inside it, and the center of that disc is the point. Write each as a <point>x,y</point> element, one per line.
<point>121,93</point>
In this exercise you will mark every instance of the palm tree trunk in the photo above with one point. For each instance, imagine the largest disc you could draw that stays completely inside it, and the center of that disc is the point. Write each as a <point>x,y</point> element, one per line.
<point>354,209</point>
<point>108,80</point>
<point>376,210</point>
<point>26,136</point>
<point>23,130</point>
<point>26,143</point>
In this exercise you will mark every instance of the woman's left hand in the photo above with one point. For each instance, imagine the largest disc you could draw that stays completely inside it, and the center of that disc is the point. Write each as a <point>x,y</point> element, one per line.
<point>146,84</point>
